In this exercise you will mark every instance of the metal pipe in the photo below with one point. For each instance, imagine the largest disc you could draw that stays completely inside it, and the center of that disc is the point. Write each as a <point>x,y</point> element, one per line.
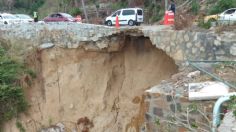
<point>216,110</point>
<point>212,75</point>
<point>221,100</point>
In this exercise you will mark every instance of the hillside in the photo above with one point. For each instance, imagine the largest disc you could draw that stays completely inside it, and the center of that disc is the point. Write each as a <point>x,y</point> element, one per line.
<point>97,10</point>
<point>100,74</point>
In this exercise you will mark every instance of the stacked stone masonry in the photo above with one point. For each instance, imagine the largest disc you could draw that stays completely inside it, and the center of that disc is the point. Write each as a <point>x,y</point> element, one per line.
<point>173,112</point>
<point>180,45</point>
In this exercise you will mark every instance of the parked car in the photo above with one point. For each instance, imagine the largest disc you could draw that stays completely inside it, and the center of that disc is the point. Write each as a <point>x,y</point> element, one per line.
<point>6,18</point>
<point>24,18</point>
<point>227,15</point>
<point>59,17</point>
<point>127,16</point>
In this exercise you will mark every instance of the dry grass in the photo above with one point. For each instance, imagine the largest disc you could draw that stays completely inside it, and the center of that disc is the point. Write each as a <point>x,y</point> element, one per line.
<point>183,20</point>
<point>229,28</point>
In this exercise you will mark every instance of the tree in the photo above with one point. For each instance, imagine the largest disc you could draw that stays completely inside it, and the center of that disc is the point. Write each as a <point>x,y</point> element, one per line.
<point>64,4</point>
<point>96,4</point>
<point>76,3</point>
<point>10,4</point>
<point>166,4</point>
<point>85,13</point>
<point>222,5</point>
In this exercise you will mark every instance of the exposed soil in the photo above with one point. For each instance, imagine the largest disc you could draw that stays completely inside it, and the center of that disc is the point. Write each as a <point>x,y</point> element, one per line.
<point>106,88</point>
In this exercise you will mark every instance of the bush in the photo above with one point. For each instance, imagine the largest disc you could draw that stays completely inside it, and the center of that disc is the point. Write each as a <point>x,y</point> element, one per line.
<point>75,11</point>
<point>232,105</point>
<point>12,100</point>
<point>36,5</point>
<point>156,12</point>
<point>195,7</point>
<point>203,24</point>
<point>28,6</point>
<point>222,5</point>
<point>119,5</point>
<point>20,127</point>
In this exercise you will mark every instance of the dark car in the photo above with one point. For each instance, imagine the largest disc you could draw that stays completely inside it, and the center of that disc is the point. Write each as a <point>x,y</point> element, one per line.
<point>59,17</point>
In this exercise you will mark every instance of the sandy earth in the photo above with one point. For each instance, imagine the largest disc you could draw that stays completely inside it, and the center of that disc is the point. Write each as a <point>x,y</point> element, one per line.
<point>105,87</point>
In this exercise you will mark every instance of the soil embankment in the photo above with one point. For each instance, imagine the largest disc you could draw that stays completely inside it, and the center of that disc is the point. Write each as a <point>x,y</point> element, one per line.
<point>105,87</point>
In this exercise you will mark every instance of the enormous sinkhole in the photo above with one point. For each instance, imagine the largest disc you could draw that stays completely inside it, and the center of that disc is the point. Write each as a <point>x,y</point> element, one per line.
<point>105,87</point>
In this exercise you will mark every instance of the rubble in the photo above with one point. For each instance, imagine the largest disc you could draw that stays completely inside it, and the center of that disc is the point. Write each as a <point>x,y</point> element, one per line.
<point>59,127</point>
<point>193,74</point>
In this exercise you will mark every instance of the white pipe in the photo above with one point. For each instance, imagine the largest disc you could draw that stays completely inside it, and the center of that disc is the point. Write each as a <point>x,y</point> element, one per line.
<point>216,110</point>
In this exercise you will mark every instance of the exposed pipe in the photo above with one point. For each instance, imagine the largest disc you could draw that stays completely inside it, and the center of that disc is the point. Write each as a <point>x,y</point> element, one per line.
<point>221,100</point>
<point>216,110</point>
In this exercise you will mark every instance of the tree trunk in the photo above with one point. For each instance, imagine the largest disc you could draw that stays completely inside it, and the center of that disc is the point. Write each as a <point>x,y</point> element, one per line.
<point>97,13</point>
<point>10,4</point>
<point>166,4</point>
<point>85,13</point>
<point>76,3</point>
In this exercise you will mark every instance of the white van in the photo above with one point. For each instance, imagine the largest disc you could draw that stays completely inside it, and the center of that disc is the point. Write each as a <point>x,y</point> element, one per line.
<point>127,16</point>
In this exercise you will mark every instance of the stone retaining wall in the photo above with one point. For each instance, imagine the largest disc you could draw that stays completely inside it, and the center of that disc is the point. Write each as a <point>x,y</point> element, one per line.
<point>168,111</point>
<point>180,45</point>
<point>183,45</point>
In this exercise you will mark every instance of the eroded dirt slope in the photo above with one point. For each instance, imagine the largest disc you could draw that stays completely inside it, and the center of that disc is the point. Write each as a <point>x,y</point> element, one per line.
<point>105,87</point>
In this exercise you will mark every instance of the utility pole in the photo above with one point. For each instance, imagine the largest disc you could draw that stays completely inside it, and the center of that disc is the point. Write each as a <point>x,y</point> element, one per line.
<point>85,13</point>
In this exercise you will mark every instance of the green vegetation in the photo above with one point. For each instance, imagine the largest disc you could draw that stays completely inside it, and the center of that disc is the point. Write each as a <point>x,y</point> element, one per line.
<point>155,10</point>
<point>205,25</point>
<point>221,66</point>
<point>221,6</point>
<point>12,100</point>
<point>36,5</point>
<point>20,126</point>
<point>21,6</point>
<point>157,121</point>
<point>194,125</point>
<point>193,107</point>
<point>227,67</point>
<point>118,5</point>
<point>195,7</point>
<point>157,13</point>
<point>232,104</point>
<point>75,11</point>
<point>50,121</point>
